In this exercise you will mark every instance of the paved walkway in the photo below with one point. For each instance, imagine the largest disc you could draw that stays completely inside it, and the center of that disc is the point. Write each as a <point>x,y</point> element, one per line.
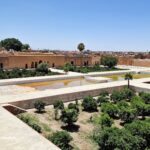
<point>16,135</point>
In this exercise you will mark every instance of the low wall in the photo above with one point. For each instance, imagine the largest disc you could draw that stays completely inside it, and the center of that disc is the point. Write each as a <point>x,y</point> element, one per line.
<point>13,109</point>
<point>141,89</point>
<point>28,104</point>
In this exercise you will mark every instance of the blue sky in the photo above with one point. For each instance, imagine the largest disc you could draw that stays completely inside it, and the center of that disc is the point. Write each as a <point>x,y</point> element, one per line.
<point>62,24</point>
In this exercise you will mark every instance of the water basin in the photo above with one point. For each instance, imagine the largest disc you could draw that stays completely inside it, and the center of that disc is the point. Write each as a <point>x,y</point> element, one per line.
<point>57,84</point>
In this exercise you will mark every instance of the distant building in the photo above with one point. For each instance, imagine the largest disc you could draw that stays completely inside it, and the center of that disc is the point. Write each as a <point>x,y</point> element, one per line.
<point>11,59</point>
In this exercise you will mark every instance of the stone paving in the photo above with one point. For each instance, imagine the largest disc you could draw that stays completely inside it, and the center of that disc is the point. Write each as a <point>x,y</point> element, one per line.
<point>16,135</point>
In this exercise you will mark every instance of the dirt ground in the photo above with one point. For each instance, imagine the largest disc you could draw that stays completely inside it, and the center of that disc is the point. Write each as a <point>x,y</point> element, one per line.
<point>81,131</point>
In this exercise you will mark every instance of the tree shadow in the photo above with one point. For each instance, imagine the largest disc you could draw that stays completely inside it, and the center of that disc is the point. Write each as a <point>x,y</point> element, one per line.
<point>71,128</point>
<point>41,112</point>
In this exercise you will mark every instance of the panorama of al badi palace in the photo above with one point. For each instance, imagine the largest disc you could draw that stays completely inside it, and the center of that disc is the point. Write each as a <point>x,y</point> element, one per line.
<point>73,100</point>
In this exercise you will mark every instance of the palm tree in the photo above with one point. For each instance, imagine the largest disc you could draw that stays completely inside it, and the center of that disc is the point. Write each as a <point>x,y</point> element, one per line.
<point>128,76</point>
<point>81,48</point>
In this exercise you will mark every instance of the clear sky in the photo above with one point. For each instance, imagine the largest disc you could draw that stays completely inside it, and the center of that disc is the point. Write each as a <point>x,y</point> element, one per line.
<point>62,24</point>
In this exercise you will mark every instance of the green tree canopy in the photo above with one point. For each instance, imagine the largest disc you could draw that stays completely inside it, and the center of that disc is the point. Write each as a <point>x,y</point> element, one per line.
<point>39,105</point>
<point>128,77</point>
<point>140,128</point>
<point>25,46</point>
<point>110,109</point>
<point>11,43</point>
<point>61,139</point>
<point>105,120</point>
<point>114,138</point>
<point>81,47</point>
<point>109,61</point>
<point>69,116</point>
<point>89,104</point>
<point>42,67</point>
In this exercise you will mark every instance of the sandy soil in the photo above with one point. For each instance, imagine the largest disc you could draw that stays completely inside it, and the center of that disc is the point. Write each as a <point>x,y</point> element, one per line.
<point>82,129</point>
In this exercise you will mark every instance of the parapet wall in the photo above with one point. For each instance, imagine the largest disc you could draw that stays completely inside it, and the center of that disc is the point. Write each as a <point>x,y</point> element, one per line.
<point>65,97</point>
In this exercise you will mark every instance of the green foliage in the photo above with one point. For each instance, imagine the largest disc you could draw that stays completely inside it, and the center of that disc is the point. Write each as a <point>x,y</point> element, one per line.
<point>69,116</point>
<point>69,67</point>
<point>127,114</point>
<point>31,121</point>
<point>139,104</point>
<point>20,73</point>
<point>11,43</point>
<point>25,46</point>
<point>128,76</point>
<point>124,94</point>
<point>102,99</point>
<point>141,129</point>
<point>109,61</point>
<point>84,70</point>
<point>89,104</point>
<point>61,139</point>
<point>58,105</point>
<point>128,93</point>
<point>42,67</point>
<point>122,105</point>
<point>110,109</point>
<point>145,97</point>
<point>73,106</point>
<point>117,96</point>
<point>39,105</point>
<point>104,93</point>
<point>81,47</point>
<point>105,120</point>
<point>114,138</point>
<point>36,127</point>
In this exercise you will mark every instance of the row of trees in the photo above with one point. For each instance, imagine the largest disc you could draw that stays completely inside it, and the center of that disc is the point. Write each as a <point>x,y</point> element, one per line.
<point>123,104</point>
<point>131,110</point>
<point>41,70</point>
<point>132,136</point>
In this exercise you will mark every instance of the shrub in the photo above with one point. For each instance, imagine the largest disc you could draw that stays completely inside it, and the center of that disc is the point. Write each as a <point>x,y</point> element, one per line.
<point>42,67</point>
<point>124,94</point>
<point>114,138</point>
<point>69,116</point>
<point>105,120</point>
<point>117,96</point>
<point>104,93</point>
<point>73,106</point>
<point>140,128</point>
<point>127,114</point>
<point>110,109</point>
<point>139,104</point>
<point>102,99</point>
<point>89,104</point>
<point>36,127</point>
<point>39,105</point>
<point>145,97</point>
<point>61,139</point>
<point>84,70</point>
<point>58,104</point>
<point>68,67</point>
<point>109,61</point>
<point>122,105</point>
<point>31,121</point>
<point>128,93</point>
